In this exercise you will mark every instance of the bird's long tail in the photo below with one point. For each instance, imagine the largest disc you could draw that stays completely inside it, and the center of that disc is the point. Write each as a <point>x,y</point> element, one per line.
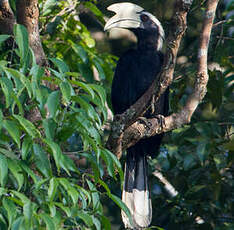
<point>136,194</point>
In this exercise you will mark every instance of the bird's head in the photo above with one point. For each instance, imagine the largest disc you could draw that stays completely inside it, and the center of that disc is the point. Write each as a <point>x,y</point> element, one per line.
<point>135,18</point>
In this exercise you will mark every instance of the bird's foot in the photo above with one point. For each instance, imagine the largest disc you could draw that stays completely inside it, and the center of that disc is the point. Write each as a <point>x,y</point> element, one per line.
<point>145,122</point>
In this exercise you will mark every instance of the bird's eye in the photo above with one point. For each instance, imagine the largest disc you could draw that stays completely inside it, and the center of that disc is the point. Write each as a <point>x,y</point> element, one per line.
<point>144,18</point>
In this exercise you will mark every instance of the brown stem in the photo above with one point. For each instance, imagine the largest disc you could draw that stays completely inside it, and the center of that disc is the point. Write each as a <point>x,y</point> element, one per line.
<point>27,14</point>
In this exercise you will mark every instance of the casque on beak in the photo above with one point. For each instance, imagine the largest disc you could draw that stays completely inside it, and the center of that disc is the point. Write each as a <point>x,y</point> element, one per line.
<point>127,16</point>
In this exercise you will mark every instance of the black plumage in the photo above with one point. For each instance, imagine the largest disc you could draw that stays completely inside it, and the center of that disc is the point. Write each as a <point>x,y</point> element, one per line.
<point>134,74</point>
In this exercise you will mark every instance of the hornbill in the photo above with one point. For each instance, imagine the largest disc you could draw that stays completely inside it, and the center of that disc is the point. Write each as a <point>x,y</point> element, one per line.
<point>135,72</point>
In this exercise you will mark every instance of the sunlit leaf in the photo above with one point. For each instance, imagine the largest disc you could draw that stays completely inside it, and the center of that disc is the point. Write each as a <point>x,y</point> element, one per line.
<point>21,37</point>
<point>60,64</point>
<point>53,103</point>
<point>10,208</point>
<point>48,7</point>
<point>48,220</point>
<point>52,188</point>
<point>86,218</point>
<point>13,130</point>
<point>16,171</point>
<point>3,37</point>
<point>28,126</point>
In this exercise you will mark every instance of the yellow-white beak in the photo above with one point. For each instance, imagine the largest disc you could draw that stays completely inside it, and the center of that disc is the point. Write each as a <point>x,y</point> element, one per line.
<point>127,16</point>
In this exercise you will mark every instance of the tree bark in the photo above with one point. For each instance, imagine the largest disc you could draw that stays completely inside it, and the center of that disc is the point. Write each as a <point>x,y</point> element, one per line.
<point>27,14</point>
<point>7,19</point>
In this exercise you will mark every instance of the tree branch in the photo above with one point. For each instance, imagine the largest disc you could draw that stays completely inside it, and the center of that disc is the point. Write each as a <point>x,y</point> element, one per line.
<point>160,123</point>
<point>123,121</point>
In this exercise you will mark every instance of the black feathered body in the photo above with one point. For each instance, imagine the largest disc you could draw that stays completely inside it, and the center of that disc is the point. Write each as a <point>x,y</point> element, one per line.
<point>135,72</point>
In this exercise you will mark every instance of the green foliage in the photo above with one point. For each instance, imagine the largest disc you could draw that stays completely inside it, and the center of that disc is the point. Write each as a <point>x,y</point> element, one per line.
<point>47,181</point>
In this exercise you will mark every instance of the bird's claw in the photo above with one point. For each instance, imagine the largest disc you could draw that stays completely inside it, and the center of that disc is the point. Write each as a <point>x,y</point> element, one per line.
<point>145,122</point>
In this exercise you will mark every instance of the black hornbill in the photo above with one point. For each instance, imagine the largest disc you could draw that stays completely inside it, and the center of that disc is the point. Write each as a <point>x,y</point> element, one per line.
<point>134,73</point>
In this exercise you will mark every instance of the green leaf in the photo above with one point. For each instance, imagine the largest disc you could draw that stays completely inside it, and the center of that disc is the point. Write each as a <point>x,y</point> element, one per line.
<point>29,172</point>
<point>101,182</point>
<point>86,218</point>
<point>48,7</point>
<point>23,79</point>
<point>17,223</point>
<point>16,171</point>
<point>115,161</point>
<point>86,37</point>
<point>52,208</point>
<point>105,223</point>
<point>66,91</point>
<point>100,70</point>
<point>8,153</point>
<point>96,223</point>
<point>42,161</point>
<point>91,113</point>
<point>21,196</point>
<point>50,128</point>
<point>98,171</point>
<point>13,130</point>
<point>57,153</point>
<point>28,126</point>
<point>18,103</point>
<point>71,191</point>
<point>40,184</point>
<point>3,170</point>
<point>53,103</point>
<point>95,195</point>
<point>81,52</point>
<point>67,210</point>
<point>7,88</point>
<point>100,91</point>
<point>109,163</point>
<point>86,71</point>
<point>28,211</point>
<point>26,147</point>
<point>95,10</point>
<point>3,37</point>
<point>37,72</point>
<point>21,38</point>
<point>48,220</point>
<point>85,87</point>
<point>62,66</point>
<point>10,207</point>
<point>1,119</point>
<point>52,188</point>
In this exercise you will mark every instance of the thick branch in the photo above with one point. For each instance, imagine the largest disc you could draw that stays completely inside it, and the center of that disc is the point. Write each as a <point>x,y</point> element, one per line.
<point>27,14</point>
<point>161,124</point>
<point>7,19</point>
<point>123,121</point>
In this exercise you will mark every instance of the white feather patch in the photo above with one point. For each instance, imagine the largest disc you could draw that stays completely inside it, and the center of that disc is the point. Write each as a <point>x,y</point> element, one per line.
<point>142,214</point>
<point>127,198</point>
